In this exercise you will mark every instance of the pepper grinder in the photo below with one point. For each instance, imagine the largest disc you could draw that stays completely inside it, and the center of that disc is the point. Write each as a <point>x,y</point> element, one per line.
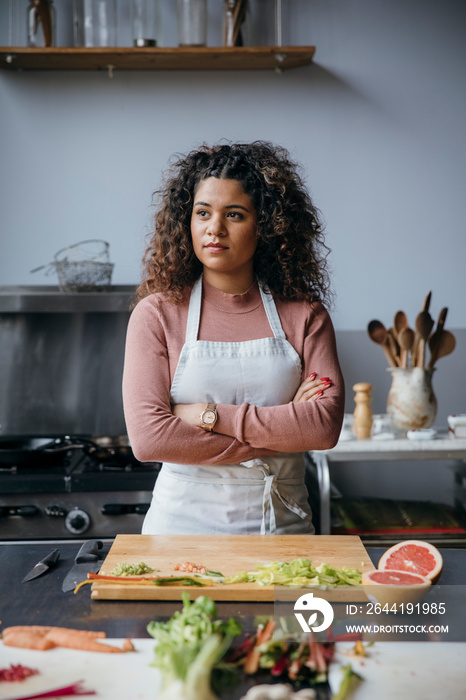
<point>363,410</point>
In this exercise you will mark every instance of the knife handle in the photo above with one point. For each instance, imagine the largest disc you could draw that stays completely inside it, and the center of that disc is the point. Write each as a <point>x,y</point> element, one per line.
<point>52,558</point>
<point>88,552</point>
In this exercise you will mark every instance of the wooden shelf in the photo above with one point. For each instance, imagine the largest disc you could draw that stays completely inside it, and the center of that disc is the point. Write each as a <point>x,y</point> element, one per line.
<point>173,58</point>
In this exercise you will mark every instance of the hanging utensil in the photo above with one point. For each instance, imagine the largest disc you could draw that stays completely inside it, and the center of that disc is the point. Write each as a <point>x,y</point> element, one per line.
<point>378,334</point>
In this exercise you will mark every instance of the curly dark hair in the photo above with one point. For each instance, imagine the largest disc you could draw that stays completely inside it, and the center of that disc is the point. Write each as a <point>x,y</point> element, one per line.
<point>291,256</point>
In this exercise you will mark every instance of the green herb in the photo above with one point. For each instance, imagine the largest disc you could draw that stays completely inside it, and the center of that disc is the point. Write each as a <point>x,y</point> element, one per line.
<point>187,581</point>
<point>188,648</point>
<point>131,569</point>
<point>214,573</point>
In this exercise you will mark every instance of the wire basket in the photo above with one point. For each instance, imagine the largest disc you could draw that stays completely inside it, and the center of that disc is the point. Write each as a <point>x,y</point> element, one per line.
<point>83,276</point>
<point>82,267</point>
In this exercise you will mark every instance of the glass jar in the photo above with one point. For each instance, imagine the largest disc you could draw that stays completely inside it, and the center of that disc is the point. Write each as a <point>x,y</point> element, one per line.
<point>95,23</point>
<point>41,23</point>
<point>192,22</point>
<point>145,22</point>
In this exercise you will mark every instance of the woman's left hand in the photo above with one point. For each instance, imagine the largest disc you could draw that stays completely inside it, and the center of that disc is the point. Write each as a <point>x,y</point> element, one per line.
<point>189,412</point>
<point>312,388</point>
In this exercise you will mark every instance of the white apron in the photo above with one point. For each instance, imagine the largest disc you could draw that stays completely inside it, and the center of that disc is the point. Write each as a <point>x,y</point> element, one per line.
<point>259,496</point>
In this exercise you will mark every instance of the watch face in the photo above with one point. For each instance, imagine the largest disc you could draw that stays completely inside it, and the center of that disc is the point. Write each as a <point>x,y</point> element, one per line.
<point>209,417</point>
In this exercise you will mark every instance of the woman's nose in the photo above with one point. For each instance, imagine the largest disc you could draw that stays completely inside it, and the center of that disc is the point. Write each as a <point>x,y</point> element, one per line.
<point>216,227</point>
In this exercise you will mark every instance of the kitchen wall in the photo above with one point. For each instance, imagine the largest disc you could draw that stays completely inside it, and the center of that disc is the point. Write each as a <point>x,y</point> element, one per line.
<point>377,122</point>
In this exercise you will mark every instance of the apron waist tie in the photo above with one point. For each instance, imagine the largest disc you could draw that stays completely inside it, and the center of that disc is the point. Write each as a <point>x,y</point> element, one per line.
<point>271,487</point>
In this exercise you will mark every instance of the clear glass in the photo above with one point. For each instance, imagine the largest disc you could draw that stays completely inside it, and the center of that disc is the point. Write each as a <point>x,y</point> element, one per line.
<point>41,22</point>
<point>192,22</point>
<point>145,20</point>
<point>95,23</point>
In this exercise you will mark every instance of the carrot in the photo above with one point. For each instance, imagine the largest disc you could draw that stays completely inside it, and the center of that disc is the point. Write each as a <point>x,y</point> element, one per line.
<point>28,640</point>
<point>72,639</point>
<point>44,638</point>
<point>251,663</point>
<point>42,629</point>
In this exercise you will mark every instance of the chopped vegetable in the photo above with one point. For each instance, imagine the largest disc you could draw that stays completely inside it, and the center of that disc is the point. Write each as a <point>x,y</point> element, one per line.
<point>17,672</point>
<point>131,569</point>
<point>307,662</point>
<point>298,572</point>
<point>190,567</point>
<point>74,689</point>
<point>349,683</point>
<point>188,648</point>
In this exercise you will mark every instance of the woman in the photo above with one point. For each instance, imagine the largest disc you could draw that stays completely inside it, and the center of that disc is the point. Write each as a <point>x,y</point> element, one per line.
<point>231,370</point>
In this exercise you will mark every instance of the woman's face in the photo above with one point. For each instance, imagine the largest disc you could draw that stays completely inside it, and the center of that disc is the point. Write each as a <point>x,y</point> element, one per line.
<point>223,230</point>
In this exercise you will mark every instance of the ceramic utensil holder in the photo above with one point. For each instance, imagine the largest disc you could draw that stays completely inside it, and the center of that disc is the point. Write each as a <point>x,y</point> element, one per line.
<point>411,402</point>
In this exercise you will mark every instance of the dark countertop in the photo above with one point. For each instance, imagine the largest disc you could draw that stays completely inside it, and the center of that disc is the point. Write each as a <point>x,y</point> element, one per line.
<point>42,600</point>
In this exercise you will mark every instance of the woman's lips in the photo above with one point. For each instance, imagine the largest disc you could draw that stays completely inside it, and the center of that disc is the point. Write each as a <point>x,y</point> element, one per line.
<point>216,247</point>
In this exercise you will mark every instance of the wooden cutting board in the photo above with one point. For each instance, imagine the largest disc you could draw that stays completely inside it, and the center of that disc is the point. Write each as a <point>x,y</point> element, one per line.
<point>227,554</point>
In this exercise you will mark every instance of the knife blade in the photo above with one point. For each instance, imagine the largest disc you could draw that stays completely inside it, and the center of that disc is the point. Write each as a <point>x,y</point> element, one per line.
<point>86,561</point>
<point>42,566</point>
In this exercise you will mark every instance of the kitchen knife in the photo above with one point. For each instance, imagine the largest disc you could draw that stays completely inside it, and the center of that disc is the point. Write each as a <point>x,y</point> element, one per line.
<point>86,561</point>
<point>43,565</point>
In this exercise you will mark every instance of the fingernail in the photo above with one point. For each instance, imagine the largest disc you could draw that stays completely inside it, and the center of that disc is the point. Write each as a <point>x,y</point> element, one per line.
<point>328,384</point>
<point>319,393</point>
<point>313,375</point>
<point>325,379</point>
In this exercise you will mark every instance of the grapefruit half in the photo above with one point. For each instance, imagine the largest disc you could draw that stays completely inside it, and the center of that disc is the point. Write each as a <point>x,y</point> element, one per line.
<point>415,557</point>
<point>390,586</point>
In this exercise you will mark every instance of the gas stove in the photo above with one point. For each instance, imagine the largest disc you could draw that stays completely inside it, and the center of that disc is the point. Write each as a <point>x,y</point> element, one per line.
<point>75,493</point>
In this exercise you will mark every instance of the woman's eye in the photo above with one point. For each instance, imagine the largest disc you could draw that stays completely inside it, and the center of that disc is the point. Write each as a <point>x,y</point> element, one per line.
<point>201,213</point>
<point>235,215</point>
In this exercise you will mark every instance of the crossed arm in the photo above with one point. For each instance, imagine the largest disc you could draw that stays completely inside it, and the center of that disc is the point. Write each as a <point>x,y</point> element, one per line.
<point>159,431</point>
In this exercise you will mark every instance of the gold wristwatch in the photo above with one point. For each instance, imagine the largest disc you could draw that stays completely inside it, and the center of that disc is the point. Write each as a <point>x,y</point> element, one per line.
<point>209,417</point>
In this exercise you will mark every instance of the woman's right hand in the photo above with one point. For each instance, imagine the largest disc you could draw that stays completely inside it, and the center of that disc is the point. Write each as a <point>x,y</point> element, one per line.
<point>312,388</point>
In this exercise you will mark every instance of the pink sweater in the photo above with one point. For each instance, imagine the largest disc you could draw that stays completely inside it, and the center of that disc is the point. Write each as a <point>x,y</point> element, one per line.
<point>156,334</point>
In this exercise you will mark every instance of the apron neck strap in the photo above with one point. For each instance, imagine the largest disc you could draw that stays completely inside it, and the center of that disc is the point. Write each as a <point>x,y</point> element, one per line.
<point>194,312</point>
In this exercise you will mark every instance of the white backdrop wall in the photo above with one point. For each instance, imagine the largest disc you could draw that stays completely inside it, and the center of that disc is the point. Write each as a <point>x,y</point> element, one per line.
<point>378,123</point>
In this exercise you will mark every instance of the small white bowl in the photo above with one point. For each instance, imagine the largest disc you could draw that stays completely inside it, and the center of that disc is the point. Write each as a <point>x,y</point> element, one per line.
<point>422,434</point>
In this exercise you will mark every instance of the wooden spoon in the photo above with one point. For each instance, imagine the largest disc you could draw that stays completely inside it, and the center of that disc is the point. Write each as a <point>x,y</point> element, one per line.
<point>424,325</point>
<point>406,340</point>
<point>400,321</point>
<point>426,304</point>
<point>435,337</point>
<point>378,333</point>
<point>444,346</point>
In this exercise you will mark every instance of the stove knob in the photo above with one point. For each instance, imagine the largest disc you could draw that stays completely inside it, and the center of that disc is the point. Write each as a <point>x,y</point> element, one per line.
<point>77,521</point>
